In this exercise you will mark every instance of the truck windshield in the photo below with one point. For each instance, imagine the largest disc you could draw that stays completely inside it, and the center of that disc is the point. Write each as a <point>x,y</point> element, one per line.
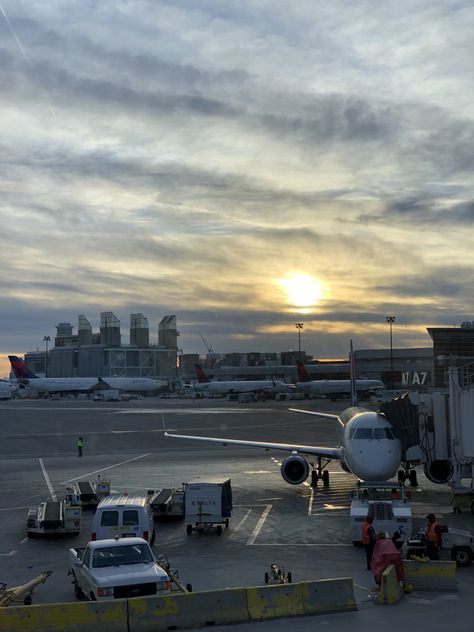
<point>120,555</point>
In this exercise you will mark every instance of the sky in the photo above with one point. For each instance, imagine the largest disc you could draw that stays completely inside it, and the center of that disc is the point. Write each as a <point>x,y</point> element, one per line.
<point>245,165</point>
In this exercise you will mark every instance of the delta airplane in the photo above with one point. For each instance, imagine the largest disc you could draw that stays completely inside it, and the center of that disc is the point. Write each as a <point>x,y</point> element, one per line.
<point>226,387</point>
<point>334,389</point>
<point>81,384</point>
<point>368,446</point>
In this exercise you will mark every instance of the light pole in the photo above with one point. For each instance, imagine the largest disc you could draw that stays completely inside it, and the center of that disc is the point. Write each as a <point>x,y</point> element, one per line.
<point>390,320</point>
<point>46,339</point>
<point>299,327</point>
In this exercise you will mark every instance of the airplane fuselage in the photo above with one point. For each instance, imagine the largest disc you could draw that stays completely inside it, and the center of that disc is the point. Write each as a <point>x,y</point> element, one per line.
<point>320,388</point>
<point>87,384</point>
<point>241,386</point>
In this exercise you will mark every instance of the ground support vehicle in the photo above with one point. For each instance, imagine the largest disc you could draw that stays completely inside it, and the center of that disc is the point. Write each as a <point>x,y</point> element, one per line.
<point>389,506</point>
<point>116,568</point>
<point>59,517</point>
<point>457,545</point>
<point>90,494</point>
<point>463,500</point>
<point>107,395</point>
<point>277,575</point>
<point>167,503</point>
<point>21,593</point>
<point>207,504</point>
<point>121,515</point>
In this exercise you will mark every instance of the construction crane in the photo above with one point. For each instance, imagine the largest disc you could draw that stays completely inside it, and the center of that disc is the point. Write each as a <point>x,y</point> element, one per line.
<point>209,349</point>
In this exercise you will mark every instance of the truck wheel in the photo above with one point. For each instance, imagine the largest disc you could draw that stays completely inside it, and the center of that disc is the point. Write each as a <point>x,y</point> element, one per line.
<point>189,529</point>
<point>289,577</point>
<point>266,578</point>
<point>92,597</point>
<point>78,590</point>
<point>227,523</point>
<point>28,600</point>
<point>189,587</point>
<point>462,556</point>
<point>219,529</point>
<point>152,539</point>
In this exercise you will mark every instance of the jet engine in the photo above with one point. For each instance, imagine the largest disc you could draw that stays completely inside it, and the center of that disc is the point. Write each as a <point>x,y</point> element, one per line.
<point>295,469</point>
<point>438,471</point>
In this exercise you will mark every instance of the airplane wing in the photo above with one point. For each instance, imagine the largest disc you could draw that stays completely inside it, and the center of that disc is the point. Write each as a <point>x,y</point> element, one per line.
<point>312,412</point>
<point>329,453</point>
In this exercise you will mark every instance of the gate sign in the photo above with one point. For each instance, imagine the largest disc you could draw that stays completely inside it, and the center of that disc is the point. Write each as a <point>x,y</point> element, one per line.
<point>415,378</point>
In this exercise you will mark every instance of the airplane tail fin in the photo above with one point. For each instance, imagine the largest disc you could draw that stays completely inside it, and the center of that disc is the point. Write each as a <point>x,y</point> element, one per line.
<point>303,375</point>
<point>20,369</point>
<point>201,374</point>
<point>354,401</point>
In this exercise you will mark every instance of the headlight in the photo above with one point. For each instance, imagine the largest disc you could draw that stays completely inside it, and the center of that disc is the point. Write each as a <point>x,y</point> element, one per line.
<point>105,592</point>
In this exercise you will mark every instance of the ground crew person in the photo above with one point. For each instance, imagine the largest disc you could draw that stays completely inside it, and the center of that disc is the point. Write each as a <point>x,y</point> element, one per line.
<point>368,539</point>
<point>434,537</point>
<point>80,444</point>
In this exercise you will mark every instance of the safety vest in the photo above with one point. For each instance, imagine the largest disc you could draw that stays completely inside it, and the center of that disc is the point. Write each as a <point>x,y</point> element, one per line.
<point>432,535</point>
<point>366,539</point>
<point>79,443</point>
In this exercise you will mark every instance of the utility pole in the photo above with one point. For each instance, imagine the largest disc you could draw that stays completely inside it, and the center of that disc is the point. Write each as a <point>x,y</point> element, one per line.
<point>46,339</point>
<point>390,320</point>
<point>299,327</point>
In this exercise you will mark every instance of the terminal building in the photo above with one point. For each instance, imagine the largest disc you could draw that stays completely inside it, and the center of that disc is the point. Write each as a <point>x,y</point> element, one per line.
<point>102,353</point>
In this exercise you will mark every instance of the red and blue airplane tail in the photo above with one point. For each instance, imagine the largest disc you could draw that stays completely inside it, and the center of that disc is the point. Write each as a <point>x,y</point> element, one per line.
<point>201,374</point>
<point>303,375</point>
<point>20,369</point>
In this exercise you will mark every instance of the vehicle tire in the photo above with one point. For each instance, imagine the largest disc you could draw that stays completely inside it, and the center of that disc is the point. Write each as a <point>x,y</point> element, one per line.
<point>28,600</point>
<point>153,537</point>
<point>266,578</point>
<point>92,597</point>
<point>78,591</point>
<point>357,543</point>
<point>462,555</point>
<point>227,523</point>
<point>314,478</point>
<point>289,577</point>
<point>219,529</point>
<point>325,478</point>
<point>189,587</point>
<point>413,478</point>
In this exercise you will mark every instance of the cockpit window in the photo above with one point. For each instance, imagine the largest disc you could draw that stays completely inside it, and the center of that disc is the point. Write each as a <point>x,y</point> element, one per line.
<point>383,433</point>
<point>363,433</point>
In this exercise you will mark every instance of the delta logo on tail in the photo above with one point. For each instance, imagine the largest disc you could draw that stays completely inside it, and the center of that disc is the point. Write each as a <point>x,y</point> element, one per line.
<point>20,369</point>
<point>201,375</point>
<point>303,375</point>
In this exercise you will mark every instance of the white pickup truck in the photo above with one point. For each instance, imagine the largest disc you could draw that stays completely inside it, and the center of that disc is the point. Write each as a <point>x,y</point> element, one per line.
<point>118,568</point>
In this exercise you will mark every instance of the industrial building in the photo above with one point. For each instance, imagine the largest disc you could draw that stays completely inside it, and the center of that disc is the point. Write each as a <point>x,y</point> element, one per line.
<point>102,353</point>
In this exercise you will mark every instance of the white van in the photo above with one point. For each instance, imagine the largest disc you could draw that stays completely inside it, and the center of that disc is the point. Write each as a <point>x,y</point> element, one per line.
<point>123,516</point>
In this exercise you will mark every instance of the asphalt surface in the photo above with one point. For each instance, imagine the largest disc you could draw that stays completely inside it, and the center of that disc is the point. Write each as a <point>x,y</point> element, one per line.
<point>303,529</point>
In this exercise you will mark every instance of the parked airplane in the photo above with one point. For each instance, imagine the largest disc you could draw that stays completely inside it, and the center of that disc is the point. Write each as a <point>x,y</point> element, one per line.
<point>368,447</point>
<point>81,384</point>
<point>333,389</point>
<point>7,389</point>
<point>226,387</point>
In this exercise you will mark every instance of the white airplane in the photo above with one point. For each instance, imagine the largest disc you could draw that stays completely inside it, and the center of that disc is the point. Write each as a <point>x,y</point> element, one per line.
<point>226,387</point>
<point>81,384</point>
<point>333,389</point>
<point>368,446</point>
<point>7,389</point>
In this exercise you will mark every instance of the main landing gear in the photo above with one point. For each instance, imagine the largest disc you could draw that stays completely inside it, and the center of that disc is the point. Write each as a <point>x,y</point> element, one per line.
<point>319,473</point>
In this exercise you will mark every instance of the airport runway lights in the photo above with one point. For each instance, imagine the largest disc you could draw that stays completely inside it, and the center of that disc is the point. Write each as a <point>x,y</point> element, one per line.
<point>390,320</point>
<point>299,327</point>
<point>46,339</point>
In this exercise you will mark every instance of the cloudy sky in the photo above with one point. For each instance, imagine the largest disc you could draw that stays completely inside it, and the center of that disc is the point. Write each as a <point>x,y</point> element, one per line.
<point>245,165</point>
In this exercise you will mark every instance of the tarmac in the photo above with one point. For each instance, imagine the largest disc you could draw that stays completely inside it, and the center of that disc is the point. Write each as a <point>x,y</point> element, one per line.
<point>304,529</point>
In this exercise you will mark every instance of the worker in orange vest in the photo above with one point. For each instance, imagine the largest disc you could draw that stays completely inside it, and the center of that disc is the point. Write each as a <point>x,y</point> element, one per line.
<point>369,538</point>
<point>434,537</point>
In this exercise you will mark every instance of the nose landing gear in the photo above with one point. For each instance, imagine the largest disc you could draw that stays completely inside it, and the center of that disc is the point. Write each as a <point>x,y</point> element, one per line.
<point>320,473</point>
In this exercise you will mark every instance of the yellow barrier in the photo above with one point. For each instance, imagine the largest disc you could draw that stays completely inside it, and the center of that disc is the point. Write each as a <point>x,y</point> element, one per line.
<point>328,595</point>
<point>105,616</point>
<point>188,610</point>
<point>279,600</point>
<point>390,590</point>
<point>433,575</point>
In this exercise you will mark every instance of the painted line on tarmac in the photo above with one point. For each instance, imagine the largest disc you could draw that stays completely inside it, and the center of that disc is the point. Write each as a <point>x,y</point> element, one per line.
<point>259,525</point>
<point>11,554</point>
<point>310,504</point>
<point>13,508</point>
<point>135,458</point>
<point>48,482</point>
<point>234,531</point>
<point>329,544</point>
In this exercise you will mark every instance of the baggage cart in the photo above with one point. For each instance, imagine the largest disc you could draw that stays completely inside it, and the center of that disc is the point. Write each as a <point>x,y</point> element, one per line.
<point>207,504</point>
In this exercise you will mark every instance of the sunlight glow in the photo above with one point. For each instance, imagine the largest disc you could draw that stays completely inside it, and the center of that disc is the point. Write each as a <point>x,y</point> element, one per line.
<point>302,290</point>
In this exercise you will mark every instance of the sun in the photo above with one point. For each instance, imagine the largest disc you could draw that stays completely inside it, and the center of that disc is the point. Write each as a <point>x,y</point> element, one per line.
<point>302,290</point>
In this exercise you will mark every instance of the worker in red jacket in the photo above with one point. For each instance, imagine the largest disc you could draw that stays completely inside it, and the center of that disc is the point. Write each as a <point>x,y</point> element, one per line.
<point>433,537</point>
<point>368,538</point>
